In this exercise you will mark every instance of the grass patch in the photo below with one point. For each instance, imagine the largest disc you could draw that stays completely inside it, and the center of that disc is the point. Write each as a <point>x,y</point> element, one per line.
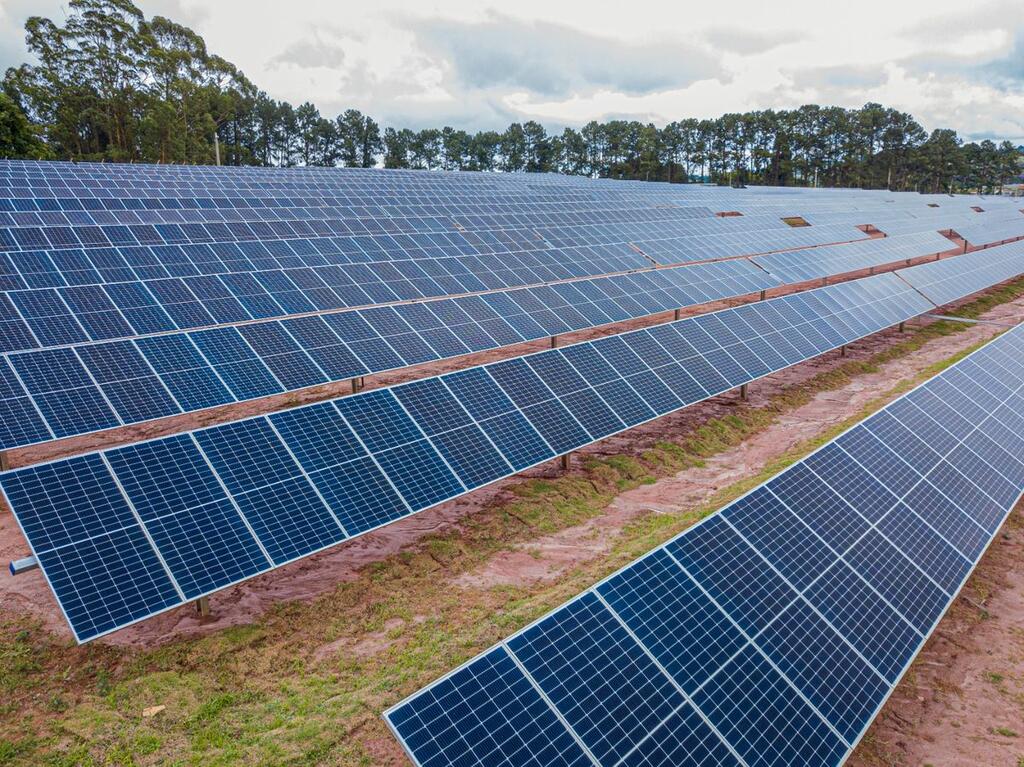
<point>307,682</point>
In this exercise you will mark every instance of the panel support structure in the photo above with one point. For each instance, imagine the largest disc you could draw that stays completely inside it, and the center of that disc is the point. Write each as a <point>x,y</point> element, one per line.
<point>554,342</point>
<point>203,607</point>
<point>678,313</point>
<point>565,461</point>
<point>743,392</point>
<point>23,565</point>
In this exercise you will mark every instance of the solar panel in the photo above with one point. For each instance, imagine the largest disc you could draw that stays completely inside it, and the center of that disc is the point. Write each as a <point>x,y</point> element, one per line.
<point>231,364</point>
<point>829,260</point>
<point>989,231</point>
<point>951,279</point>
<point>773,631</point>
<point>365,460</point>
<point>235,286</point>
<point>176,373</point>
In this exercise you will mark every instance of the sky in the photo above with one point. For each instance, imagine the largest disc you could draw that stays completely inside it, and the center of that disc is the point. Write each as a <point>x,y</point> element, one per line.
<point>476,65</point>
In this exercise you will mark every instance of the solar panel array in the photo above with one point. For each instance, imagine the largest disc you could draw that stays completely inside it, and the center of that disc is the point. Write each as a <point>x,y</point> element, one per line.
<point>56,298</point>
<point>943,282</point>
<point>996,231</point>
<point>826,261</point>
<point>976,223</point>
<point>54,393</point>
<point>132,293</point>
<point>105,385</point>
<point>128,532</point>
<point>772,632</point>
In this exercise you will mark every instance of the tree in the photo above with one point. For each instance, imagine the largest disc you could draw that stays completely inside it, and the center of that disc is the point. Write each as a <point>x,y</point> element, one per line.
<point>483,150</point>
<point>513,149</point>
<point>940,161</point>
<point>360,139</point>
<point>425,149</point>
<point>455,149</point>
<point>396,147</point>
<point>17,136</point>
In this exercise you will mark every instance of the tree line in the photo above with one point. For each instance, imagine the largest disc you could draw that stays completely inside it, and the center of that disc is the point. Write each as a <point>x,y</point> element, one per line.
<point>111,85</point>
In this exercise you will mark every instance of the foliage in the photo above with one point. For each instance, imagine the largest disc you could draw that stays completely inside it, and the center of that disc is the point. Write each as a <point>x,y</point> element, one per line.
<point>112,85</point>
<point>18,138</point>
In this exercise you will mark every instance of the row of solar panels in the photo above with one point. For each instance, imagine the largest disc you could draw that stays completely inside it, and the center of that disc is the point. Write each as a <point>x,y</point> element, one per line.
<point>417,218</point>
<point>44,317</point>
<point>60,392</point>
<point>57,237</point>
<point>838,259</point>
<point>57,316</point>
<point>370,238</point>
<point>946,222</point>
<point>57,393</point>
<point>998,231</point>
<point>100,176</point>
<point>772,632</point>
<point>131,531</point>
<point>519,412</point>
<point>33,212</point>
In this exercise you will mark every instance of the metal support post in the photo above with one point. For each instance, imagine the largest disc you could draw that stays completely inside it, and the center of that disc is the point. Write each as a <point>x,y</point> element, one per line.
<point>743,392</point>
<point>903,327</point>
<point>203,607</point>
<point>554,342</point>
<point>677,315</point>
<point>19,566</point>
<point>566,461</point>
<point>842,350</point>
<point>761,297</point>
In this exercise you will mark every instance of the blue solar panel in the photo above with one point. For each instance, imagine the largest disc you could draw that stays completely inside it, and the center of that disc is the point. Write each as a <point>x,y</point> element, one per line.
<point>671,615</point>
<point>495,700</point>
<point>767,721</point>
<point>775,629</point>
<point>598,677</point>
<point>733,573</point>
<point>304,351</point>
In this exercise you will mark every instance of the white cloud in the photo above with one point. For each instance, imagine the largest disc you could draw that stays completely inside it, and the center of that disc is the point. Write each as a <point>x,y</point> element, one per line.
<point>480,64</point>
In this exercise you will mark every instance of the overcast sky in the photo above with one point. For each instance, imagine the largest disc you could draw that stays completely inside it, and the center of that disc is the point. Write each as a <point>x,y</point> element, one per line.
<point>477,64</point>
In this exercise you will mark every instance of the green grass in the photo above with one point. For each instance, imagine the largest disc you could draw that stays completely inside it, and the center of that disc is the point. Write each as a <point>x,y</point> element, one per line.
<point>273,693</point>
